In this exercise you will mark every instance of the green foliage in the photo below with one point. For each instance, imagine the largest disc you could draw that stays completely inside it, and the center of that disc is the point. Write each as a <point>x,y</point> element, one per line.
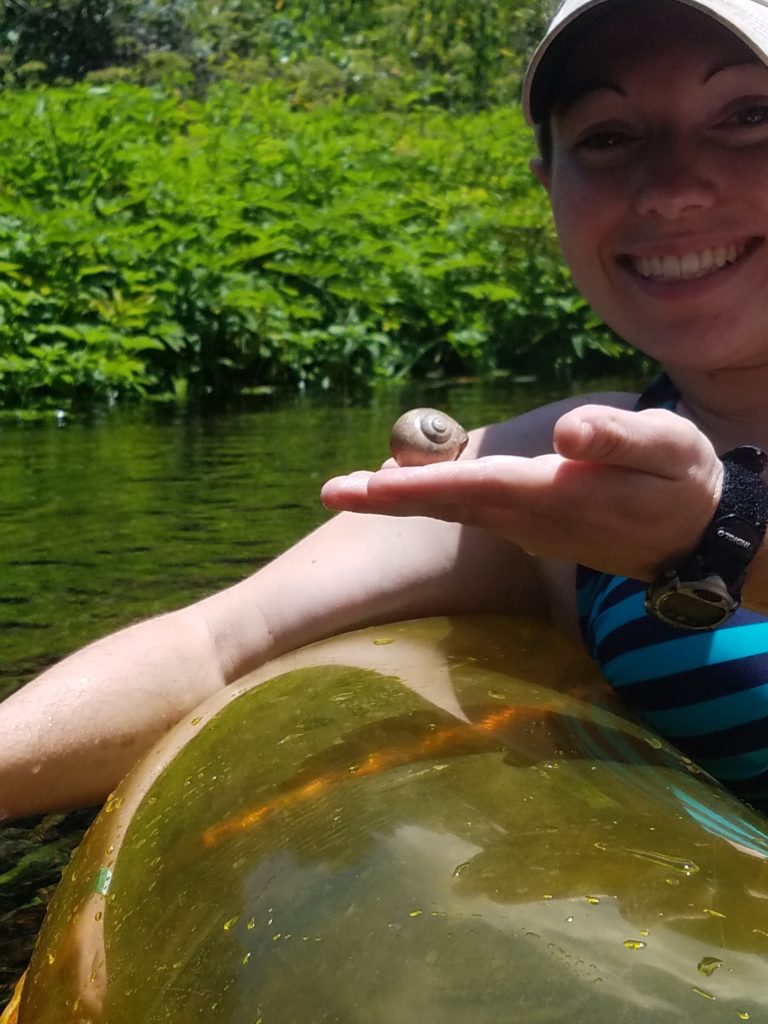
<point>249,193</point>
<point>444,52</point>
<point>63,38</point>
<point>151,246</point>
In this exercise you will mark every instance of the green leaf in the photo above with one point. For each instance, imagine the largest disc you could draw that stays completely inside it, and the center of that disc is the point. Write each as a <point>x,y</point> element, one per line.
<point>491,291</point>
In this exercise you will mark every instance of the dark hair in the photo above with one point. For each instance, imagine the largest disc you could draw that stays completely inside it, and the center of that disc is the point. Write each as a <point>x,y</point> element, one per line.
<point>543,134</point>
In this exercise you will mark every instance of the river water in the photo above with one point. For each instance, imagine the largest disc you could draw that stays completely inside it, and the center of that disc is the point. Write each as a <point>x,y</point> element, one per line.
<point>129,513</point>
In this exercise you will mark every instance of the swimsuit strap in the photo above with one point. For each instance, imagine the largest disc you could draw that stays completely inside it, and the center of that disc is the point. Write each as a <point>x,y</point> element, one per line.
<point>661,393</point>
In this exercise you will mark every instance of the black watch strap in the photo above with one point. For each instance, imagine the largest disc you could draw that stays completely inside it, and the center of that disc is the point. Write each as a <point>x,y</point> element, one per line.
<point>705,591</point>
<point>738,527</point>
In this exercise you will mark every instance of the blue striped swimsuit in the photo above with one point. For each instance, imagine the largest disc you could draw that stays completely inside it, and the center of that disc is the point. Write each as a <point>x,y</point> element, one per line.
<point>707,692</point>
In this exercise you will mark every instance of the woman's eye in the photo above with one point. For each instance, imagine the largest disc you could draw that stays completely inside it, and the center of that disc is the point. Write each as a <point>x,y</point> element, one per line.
<point>745,124</point>
<point>757,114</point>
<point>747,116</point>
<point>603,140</point>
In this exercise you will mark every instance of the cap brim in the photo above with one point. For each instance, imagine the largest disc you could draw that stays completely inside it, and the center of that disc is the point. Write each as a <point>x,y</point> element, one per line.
<point>746,19</point>
<point>536,75</point>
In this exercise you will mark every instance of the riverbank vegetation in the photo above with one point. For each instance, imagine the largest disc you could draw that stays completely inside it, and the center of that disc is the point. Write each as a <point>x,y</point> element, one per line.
<point>240,196</point>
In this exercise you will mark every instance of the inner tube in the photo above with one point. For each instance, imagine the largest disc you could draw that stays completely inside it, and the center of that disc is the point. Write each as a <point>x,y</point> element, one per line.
<point>429,822</point>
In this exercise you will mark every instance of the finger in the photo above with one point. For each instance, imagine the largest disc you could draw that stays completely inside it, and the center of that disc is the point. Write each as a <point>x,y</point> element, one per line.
<point>652,441</point>
<point>345,492</point>
<point>449,490</point>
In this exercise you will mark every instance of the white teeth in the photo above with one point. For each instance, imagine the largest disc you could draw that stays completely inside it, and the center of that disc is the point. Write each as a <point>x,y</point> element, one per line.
<point>671,267</point>
<point>689,266</point>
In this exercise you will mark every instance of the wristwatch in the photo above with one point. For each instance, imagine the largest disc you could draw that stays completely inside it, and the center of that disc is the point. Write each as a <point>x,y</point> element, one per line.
<point>706,590</point>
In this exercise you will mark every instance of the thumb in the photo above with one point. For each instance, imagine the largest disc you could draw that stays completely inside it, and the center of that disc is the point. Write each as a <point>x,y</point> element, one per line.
<point>653,441</point>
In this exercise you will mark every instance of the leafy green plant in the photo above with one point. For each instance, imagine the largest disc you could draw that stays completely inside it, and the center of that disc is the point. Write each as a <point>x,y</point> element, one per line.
<point>442,52</point>
<point>153,245</point>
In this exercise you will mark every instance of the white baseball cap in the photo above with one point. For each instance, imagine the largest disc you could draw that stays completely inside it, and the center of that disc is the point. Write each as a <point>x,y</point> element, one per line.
<point>747,19</point>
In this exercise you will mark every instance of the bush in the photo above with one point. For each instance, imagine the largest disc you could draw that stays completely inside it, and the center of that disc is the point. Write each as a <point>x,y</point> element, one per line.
<point>152,246</point>
<point>446,52</point>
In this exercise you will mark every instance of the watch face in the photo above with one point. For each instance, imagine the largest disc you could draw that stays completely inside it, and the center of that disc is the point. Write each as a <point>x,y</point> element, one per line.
<point>692,609</point>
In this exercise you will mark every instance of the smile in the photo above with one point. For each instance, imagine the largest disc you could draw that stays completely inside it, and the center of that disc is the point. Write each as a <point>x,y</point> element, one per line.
<point>690,265</point>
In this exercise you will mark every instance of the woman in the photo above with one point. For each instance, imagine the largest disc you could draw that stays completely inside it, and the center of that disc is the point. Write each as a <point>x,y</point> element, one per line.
<point>652,118</point>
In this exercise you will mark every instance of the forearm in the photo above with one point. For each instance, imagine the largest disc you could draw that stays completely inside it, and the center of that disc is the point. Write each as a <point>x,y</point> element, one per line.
<point>357,571</point>
<point>69,736</point>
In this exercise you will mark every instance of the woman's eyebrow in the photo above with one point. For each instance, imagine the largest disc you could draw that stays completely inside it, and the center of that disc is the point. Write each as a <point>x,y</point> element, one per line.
<point>573,96</point>
<point>742,62</point>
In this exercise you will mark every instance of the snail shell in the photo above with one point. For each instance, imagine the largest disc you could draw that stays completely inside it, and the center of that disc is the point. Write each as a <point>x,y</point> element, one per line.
<point>422,436</point>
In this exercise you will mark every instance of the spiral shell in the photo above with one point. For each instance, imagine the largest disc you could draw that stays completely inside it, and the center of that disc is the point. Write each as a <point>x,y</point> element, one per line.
<point>422,436</point>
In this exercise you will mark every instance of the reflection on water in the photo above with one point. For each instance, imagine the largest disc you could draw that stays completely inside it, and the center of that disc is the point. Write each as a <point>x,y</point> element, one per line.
<point>135,513</point>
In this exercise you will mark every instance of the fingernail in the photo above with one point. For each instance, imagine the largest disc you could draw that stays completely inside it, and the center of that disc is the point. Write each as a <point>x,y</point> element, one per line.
<point>586,434</point>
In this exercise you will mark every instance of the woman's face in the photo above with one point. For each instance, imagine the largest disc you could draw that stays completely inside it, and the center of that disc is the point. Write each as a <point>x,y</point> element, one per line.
<point>659,183</point>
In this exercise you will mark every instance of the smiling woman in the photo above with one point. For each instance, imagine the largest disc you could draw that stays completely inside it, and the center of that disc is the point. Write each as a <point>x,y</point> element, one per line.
<point>657,180</point>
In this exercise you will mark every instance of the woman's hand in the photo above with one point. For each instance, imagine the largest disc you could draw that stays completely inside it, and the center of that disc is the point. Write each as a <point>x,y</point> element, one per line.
<point>626,492</point>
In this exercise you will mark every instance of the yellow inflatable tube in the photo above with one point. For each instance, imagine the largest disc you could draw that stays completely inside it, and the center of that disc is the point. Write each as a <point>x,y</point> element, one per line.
<point>434,822</point>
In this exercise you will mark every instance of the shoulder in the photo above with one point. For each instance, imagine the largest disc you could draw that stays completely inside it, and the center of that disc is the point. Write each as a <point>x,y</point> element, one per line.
<point>531,433</point>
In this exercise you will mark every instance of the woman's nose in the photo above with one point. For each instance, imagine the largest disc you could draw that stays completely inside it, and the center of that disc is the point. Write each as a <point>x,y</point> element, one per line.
<point>673,181</point>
